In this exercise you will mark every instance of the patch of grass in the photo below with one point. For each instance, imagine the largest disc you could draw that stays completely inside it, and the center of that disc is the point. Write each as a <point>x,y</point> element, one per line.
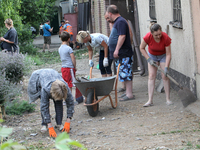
<point>36,60</point>
<point>53,57</point>
<point>163,133</point>
<point>17,107</point>
<point>198,146</point>
<point>82,53</point>
<point>45,58</point>
<point>49,57</point>
<point>177,131</point>
<point>189,143</point>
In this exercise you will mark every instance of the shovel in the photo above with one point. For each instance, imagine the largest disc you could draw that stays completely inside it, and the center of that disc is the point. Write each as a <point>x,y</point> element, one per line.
<point>186,96</point>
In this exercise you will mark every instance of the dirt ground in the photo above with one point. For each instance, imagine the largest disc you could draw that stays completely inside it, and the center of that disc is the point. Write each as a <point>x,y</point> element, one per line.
<point>128,127</point>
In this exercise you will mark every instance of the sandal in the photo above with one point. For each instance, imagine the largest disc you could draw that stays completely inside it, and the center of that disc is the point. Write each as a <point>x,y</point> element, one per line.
<point>121,90</point>
<point>125,98</point>
<point>147,104</point>
<point>169,103</point>
<point>122,95</point>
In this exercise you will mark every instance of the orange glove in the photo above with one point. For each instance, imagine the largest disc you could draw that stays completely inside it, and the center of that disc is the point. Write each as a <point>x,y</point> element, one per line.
<point>52,132</point>
<point>66,127</point>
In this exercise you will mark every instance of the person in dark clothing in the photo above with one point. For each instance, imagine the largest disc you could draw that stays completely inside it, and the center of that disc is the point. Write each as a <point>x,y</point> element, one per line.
<point>121,49</point>
<point>10,39</point>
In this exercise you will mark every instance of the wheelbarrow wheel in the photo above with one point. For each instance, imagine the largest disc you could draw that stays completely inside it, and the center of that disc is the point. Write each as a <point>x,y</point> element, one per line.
<point>94,109</point>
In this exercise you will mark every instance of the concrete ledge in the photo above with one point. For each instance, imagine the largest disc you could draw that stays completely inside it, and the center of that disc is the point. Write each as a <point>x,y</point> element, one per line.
<point>194,108</point>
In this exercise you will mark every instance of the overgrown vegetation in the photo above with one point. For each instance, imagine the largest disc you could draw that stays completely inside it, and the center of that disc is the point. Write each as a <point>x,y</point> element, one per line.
<point>12,70</point>
<point>25,15</point>
<point>13,67</point>
<point>17,107</point>
<point>7,90</point>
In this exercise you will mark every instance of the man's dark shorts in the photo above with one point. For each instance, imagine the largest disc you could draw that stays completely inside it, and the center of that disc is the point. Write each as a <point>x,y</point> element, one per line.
<point>47,40</point>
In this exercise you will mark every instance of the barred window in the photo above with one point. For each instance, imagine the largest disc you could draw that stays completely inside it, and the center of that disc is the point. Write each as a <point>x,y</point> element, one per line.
<point>177,16</point>
<point>152,10</point>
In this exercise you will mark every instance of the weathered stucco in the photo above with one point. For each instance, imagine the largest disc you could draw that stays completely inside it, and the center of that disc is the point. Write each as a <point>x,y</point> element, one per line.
<point>195,7</point>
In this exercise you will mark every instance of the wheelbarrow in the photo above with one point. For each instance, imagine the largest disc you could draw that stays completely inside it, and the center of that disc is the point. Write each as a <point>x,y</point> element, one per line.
<point>94,87</point>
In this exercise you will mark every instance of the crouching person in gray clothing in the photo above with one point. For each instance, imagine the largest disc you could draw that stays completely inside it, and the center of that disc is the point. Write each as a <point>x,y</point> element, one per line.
<point>48,84</point>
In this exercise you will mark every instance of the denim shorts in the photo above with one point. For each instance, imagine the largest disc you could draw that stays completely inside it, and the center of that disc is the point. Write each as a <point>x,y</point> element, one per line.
<point>125,70</point>
<point>158,58</point>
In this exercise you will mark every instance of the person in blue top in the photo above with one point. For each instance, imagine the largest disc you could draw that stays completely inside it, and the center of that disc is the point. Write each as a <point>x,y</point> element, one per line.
<point>47,35</point>
<point>121,49</point>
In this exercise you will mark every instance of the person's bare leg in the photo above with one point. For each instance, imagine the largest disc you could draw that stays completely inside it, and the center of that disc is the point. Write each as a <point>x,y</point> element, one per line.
<point>123,85</point>
<point>166,83</point>
<point>48,47</point>
<point>151,82</point>
<point>44,47</point>
<point>129,87</point>
<point>104,75</point>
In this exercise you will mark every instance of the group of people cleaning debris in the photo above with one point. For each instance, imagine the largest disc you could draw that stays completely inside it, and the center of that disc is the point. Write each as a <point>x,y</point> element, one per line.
<point>48,84</point>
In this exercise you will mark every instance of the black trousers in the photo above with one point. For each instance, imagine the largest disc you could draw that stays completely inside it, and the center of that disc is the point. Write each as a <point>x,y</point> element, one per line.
<point>58,105</point>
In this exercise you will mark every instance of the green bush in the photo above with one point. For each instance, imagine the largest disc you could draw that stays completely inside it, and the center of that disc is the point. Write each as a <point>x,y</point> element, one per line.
<point>19,107</point>
<point>13,67</point>
<point>7,90</point>
<point>24,35</point>
<point>28,48</point>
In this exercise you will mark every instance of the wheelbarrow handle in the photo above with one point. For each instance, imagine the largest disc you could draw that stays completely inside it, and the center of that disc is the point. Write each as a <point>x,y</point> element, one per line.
<point>90,72</point>
<point>169,76</point>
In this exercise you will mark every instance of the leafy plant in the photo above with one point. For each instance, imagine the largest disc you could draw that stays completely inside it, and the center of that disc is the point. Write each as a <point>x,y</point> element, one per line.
<point>14,67</point>
<point>8,145</point>
<point>63,142</point>
<point>7,89</point>
<point>19,107</point>
<point>28,48</point>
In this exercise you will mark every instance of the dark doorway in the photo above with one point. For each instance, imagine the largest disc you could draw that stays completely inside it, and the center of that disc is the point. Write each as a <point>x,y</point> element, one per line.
<point>83,16</point>
<point>55,24</point>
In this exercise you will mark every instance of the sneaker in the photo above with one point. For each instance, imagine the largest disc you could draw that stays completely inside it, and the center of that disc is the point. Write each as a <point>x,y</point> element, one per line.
<point>75,103</point>
<point>60,127</point>
<point>44,129</point>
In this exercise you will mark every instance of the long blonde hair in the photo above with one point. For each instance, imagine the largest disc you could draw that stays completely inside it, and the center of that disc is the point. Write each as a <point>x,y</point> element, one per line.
<point>58,90</point>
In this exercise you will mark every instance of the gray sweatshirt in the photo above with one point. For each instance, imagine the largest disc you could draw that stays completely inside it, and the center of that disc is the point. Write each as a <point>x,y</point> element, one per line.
<point>39,86</point>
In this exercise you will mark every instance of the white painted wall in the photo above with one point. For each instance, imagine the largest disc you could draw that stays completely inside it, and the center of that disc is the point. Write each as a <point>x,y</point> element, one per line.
<point>182,47</point>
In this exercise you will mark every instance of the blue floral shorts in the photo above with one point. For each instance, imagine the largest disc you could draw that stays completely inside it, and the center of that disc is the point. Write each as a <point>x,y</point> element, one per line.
<point>125,70</point>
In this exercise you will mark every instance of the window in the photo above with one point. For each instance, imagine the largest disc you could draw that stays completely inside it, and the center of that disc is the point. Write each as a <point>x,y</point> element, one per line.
<point>152,10</point>
<point>177,16</point>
